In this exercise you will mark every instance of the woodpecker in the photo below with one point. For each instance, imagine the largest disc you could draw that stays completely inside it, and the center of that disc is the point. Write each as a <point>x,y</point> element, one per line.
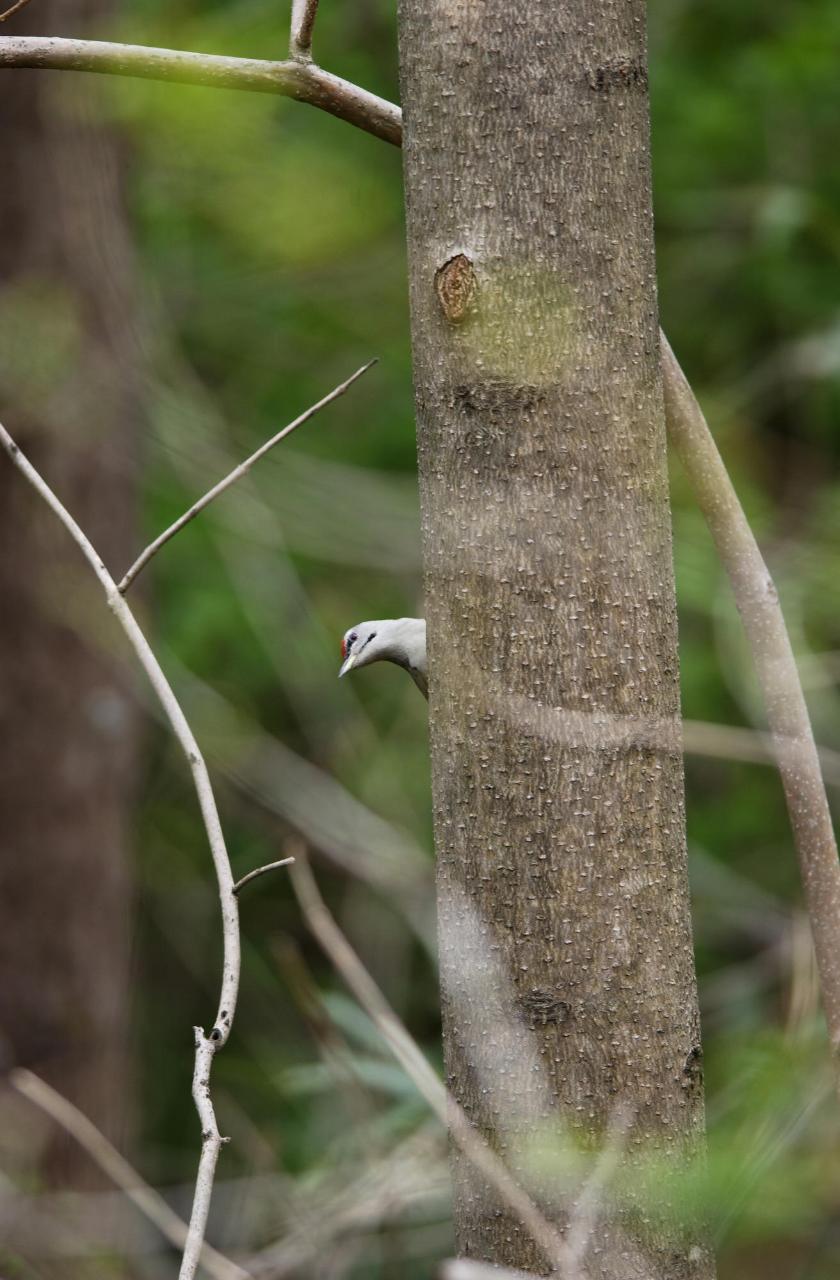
<point>400,640</point>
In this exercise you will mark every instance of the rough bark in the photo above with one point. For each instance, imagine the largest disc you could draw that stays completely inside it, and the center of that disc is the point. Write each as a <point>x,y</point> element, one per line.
<point>567,972</point>
<point>68,390</point>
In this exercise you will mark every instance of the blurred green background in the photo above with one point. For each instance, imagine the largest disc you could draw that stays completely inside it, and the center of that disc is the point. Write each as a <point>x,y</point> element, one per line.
<point>270,245</point>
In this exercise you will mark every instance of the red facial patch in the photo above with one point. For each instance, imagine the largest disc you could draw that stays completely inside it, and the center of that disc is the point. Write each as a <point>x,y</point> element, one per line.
<point>343,647</point>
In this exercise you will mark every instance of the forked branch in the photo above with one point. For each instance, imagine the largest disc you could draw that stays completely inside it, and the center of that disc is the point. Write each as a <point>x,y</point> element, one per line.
<point>296,78</point>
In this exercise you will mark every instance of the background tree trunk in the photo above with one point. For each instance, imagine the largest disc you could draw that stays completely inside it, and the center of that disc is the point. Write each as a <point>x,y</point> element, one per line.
<point>68,392</point>
<point>566,954</point>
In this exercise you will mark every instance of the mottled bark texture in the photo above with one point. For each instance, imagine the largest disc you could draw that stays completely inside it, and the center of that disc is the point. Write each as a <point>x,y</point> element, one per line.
<point>567,972</point>
<point>67,727</point>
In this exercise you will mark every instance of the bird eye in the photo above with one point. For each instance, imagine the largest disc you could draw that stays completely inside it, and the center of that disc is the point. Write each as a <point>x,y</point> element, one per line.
<point>347,643</point>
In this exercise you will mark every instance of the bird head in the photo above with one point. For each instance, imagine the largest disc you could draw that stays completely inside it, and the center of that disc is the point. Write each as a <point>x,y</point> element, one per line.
<point>359,646</point>
<point>399,640</point>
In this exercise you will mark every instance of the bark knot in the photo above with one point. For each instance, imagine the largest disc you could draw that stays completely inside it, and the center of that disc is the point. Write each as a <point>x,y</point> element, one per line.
<point>541,1007</point>
<point>620,73</point>
<point>455,287</point>
<point>692,1072</point>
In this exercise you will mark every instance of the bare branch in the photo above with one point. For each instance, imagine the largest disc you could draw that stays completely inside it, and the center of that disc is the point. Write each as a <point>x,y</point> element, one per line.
<point>260,871</point>
<point>734,742</point>
<point>787,712</point>
<point>303,20</point>
<point>295,78</point>
<point>243,468</point>
<point>20,4</point>
<point>211,1145</point>
<point>413,1062</point>
<point>150,1202</point>
<point>206,799</point>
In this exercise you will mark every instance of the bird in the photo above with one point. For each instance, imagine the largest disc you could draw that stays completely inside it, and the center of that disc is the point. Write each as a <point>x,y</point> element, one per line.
<point>399,640</point>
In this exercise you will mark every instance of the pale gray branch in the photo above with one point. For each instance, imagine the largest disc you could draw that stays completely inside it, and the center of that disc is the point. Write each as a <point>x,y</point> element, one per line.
<point>294,78</point>
<point>413,1062</point>
<point>787,712</point>
<point>734,742</point>
<point>237,473</point>
<point>206,799</point>
<point>150,1202</point>
<point>211,1145</point>
<point>303,21</point>
<point>260,871</point>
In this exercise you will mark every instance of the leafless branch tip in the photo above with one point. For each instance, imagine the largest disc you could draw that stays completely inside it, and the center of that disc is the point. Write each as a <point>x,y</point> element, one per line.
<point>237,473</point>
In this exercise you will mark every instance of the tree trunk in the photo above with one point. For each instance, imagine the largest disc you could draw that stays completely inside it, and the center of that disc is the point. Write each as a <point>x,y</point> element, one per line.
<point>569,998</point>
<point>68,392</point>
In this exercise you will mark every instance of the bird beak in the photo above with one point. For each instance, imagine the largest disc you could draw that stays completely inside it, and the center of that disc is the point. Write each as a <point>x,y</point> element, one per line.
<point>346,665</point>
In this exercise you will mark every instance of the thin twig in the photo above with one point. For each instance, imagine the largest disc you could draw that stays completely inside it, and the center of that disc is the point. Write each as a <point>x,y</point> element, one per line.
<point>734,742</point>
<point>207,802</point>
<point>787,711</point>
<point>150,1202</point>
<point>292,79</point>
<point>237,473</point>
<point>260,871</point>
<point>414,1063</point>
<point>303,20</point>
<point>14,9</point>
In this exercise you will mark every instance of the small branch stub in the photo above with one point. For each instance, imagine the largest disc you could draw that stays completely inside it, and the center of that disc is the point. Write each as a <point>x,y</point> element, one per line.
<point>260,871</point>
<point>303,21</point>
<point>455,286</point>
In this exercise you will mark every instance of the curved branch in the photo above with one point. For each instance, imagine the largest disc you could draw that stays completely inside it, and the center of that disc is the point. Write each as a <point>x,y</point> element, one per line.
<point>295,78</point>
<point>787,712</point>
<point>205,1048</point>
